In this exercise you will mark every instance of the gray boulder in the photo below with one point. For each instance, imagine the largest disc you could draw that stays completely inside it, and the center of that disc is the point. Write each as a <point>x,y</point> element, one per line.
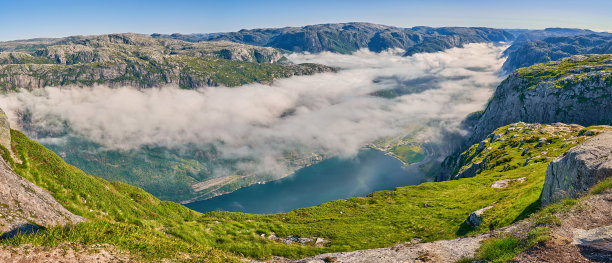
<point>573,173</point>
<point>475,219</point>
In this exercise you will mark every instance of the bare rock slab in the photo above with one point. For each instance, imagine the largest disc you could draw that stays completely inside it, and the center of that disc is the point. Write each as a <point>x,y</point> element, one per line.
<point>580,168</point>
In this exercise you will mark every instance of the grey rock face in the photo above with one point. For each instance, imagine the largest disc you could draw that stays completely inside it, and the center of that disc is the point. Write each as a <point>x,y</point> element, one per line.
<point>138,74</point>
<point>598,238</point>
<point>573,173</point>
<point>584,100</point>
<point>5,131</point>
<point>23,205</point>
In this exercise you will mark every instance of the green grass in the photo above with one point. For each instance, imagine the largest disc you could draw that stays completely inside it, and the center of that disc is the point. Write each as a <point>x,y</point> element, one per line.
<point>429,211</point>
<point>537,229</point>
<point>134,220</point>
<point>602,186</point>
<point>499,249</point>
<point>567,72</point>
<point>503,249</point>
<point>119,214</point>
<point>409,153</point>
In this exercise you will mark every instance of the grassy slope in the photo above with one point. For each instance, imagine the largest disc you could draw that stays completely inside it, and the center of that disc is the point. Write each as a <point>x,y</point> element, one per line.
<point>430,211</point>
<point>119,214</point>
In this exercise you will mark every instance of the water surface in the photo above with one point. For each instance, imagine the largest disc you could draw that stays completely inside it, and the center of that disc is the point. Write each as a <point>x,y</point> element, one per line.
<point>331,179</point>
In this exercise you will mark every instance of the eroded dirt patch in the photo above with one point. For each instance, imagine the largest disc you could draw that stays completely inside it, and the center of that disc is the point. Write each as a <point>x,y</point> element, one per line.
<point>65,253</point>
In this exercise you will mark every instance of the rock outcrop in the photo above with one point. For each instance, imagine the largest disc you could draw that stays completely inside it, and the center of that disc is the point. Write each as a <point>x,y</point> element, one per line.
<point>573,173</point>
<point>25,206</point>
<point>574,90</point>
<point>475,218</point>
<point>530,140</point>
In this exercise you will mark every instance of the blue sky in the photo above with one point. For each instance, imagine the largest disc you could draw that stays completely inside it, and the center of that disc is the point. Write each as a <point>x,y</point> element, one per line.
<point>38,18</point>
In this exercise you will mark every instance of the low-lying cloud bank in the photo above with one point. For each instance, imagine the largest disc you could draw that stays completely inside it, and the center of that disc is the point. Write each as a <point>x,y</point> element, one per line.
<point>332,113</point>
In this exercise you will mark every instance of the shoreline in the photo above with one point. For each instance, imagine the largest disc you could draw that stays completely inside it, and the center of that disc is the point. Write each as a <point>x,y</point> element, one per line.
<point>364,148</point>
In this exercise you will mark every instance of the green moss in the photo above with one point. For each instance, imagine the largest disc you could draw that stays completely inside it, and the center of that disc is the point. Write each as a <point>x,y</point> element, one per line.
<point>602,186</point>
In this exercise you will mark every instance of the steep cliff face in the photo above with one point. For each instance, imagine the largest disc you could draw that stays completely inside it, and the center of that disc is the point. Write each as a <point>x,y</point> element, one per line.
<point>574,90</point>
<point>577,170</point>
<point>185,72</point>
<point>349,37</point>
<point>23,205</point>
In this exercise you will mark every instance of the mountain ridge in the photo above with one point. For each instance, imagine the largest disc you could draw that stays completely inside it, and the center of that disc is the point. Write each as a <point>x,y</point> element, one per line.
<point>528,53</point>
<point>141,61</point>
<point>349,37</point>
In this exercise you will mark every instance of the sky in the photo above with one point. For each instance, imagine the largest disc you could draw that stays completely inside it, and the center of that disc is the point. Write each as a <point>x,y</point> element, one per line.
<point>25,19</point>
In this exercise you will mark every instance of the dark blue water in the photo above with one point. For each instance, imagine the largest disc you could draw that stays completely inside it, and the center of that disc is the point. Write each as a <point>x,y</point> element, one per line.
<point>332,179</point>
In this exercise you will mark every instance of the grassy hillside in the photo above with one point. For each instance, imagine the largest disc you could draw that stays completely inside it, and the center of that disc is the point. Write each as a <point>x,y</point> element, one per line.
<point>119,214</point>
<point>131,219</point>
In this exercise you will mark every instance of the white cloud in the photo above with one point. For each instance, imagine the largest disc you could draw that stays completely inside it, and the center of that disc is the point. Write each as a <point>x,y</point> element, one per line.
<point>331,112</point>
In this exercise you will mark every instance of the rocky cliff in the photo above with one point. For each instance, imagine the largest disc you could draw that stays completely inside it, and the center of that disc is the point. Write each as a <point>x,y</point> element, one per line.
<point>579,169</point>
<point>349,37</point>
<point>23,205</point>
<point>140,61</point>
<point>574,90</point>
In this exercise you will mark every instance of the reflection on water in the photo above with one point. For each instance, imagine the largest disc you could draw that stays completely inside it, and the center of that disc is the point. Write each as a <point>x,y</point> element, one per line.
<point>332,179</point>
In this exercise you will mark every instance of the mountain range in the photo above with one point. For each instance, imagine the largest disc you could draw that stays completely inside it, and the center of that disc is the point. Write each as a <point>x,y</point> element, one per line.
<point>349,37</point>
<point>530,181</point>
<point>231,59</point>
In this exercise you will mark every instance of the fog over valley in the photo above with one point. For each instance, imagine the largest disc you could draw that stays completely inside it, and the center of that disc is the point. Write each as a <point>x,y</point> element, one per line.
<point>256,125</point>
